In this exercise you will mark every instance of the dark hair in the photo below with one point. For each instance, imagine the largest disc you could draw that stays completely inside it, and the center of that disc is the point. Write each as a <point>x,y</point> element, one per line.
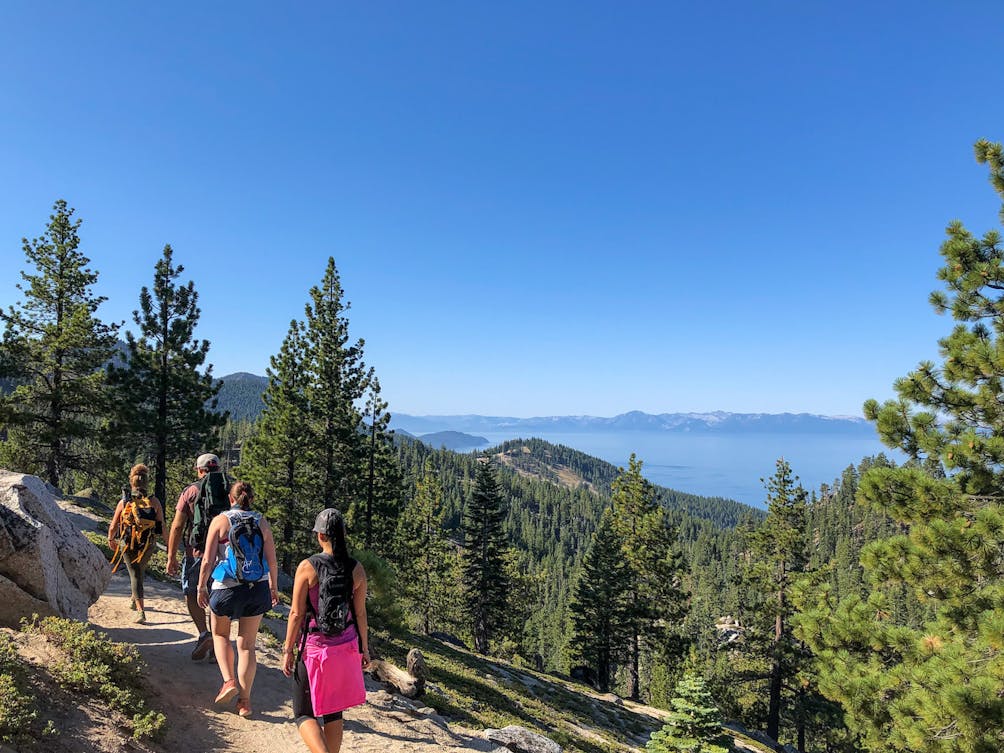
<point>242,494</point>
<point>139,478</point>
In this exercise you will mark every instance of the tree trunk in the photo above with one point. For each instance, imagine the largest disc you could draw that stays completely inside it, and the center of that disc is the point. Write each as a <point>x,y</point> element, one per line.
<point>634,680</point>
<point>774,708</point>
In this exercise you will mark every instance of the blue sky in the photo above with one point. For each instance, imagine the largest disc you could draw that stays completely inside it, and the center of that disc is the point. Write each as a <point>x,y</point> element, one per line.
<point>536,208</point>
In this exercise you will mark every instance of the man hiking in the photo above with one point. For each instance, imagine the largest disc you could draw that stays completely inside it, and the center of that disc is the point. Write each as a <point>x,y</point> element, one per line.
<point>201,501</point>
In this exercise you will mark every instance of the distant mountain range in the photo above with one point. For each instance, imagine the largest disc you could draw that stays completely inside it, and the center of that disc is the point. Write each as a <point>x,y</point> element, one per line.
<point>241,395</point>
<point>716,422</point>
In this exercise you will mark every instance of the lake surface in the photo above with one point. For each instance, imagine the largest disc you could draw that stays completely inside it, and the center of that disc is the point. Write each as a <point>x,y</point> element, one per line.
<point>719,465</point>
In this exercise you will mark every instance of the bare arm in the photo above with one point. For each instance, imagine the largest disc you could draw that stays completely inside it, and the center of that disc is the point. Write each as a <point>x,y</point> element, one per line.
<point>177,530</point>
<point>159,510</point>
<point>273,564</point>
<point>216,531</point>
<point>359,604</point>
<point>297,612</point>
<point>113,527</point>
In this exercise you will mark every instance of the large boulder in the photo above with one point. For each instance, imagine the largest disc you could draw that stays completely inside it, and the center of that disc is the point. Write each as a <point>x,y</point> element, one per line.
<point>522,740</point>
<point>46,565</point>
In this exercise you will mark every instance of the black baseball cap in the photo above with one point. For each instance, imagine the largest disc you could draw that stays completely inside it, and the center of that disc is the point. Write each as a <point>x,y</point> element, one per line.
<point>328,521</point>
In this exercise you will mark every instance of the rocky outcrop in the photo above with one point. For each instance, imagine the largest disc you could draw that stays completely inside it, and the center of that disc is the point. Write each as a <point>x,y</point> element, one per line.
<point>522,740</point>
<point>46,565</point>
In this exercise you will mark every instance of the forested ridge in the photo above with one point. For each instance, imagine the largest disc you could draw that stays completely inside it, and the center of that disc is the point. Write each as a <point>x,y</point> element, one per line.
<point>865,615</point>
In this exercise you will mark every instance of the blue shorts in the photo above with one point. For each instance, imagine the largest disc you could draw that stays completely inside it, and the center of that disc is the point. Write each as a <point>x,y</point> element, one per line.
<point>190,575</point>
<point>241,601</point>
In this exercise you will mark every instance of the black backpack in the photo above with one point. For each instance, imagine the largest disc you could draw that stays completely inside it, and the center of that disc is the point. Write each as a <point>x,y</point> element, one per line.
<point>211,500</point>
<point>334,594</point>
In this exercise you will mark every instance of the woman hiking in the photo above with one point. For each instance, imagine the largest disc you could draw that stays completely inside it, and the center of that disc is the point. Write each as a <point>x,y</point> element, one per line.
<point>137,522</point>
<point>240,556</point>
<point>327,628</point>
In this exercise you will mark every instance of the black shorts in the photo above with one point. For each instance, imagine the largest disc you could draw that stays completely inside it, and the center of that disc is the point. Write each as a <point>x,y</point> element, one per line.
<point>241,601</point>
<point>303,709</point>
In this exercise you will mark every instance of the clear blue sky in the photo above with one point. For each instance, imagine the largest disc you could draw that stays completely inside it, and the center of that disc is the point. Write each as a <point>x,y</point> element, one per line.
<point>536,208</point>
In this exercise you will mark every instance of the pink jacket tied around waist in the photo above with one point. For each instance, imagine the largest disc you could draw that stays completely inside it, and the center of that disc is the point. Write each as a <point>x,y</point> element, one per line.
<point>335,674</point>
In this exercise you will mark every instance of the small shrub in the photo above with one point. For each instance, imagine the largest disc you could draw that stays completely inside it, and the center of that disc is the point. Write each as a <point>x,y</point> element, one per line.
<point>94,665</point>
<point>17,710</point>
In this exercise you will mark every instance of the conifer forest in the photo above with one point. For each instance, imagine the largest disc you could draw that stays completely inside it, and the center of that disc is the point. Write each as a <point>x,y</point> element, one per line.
<point>863,615</point>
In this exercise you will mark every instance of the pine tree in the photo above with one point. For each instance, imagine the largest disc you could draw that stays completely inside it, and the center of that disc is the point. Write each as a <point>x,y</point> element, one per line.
<point>384,483</point>
<point>599,605</point>
<point>273,459</point>
<point>695,723</point>
<point>780,555</point>
<point>485,587</point>
<point>165,404</point>
<point>338,380</point>
<point>423,551</point>
<point>655,597</point>
<point>56,348</point>
<point>937,687</point>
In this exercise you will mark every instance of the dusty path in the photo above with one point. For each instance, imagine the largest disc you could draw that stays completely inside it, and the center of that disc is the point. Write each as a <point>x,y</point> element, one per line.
<point>184,690</point>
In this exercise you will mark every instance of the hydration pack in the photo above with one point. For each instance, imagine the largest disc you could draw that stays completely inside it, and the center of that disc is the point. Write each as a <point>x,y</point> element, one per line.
<point>212,500</point>
<point>244,560</point>
<point>137,529</point>
<point>334,594</point>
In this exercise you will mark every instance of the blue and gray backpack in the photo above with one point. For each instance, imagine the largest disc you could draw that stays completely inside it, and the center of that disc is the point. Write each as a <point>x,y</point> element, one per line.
<point>244,560</point>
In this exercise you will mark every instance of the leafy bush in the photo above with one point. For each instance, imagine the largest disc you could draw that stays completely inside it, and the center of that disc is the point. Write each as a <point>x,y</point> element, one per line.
<point>94,665</point>
<point>383,602</point>
<point>17,704</point>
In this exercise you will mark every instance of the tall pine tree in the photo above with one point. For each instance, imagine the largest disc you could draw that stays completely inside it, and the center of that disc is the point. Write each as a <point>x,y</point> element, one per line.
<point>338,383</point>
<point>937,687</point>
<point>55,348</point>
<point>165,400</point>
<point>423,553</point>
<point>599,605</point>
<point>273,459</point>
<point>656,600</point>
<point>384,482</point>
<point>780,555</point>
<point>485,587</point>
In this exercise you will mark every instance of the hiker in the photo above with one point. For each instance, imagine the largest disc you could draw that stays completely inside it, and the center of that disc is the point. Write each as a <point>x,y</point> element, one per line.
<point>328,629</point>
<point>198,504</point>
<point>137,522</point>
<point>240,557</point>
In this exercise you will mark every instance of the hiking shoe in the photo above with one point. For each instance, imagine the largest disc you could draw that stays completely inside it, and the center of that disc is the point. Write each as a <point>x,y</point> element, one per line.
<point>227,692</point>
<point>140,618</point>
<point>244,707</point>
<point>203,646</point>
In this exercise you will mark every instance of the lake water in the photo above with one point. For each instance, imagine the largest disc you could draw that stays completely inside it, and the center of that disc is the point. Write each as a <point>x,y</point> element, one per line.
<point>717,465</point>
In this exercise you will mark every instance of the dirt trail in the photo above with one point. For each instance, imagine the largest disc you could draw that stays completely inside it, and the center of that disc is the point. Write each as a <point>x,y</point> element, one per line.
<point>184,690</point>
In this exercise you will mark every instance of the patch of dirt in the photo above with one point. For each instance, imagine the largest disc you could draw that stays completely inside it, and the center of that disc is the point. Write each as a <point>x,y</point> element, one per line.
<point>184,690</point>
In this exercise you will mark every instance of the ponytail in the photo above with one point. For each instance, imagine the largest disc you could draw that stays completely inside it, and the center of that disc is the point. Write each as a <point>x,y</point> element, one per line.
<point>242,495</point>
<point>139,478</point>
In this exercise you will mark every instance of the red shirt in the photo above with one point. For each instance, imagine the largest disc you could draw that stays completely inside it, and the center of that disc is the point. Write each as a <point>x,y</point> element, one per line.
<point>186,508</point>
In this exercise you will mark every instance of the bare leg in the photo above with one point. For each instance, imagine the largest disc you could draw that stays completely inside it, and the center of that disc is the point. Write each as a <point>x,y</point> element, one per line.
<point>223,647</point>
<point>312,736</point>
<point>247,664</point>
<point>333,735</point>
<point>198,614</point>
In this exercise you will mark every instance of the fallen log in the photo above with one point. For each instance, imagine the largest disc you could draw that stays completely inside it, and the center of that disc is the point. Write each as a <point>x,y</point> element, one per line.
<point>402,681</point>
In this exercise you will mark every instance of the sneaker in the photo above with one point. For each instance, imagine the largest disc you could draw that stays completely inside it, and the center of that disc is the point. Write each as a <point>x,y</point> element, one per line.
<point>132,604</point>
<point>227,692</point>
<point>140,618</point>
<point>244,707</point>
<point>203,646</point>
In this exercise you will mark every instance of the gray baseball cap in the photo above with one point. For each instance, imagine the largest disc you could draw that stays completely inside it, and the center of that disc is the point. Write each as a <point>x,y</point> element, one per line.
<point>207,461</point>
<point>328,521</point>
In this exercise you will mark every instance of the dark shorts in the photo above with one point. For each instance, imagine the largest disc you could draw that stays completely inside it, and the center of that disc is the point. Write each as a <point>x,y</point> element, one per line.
<point>241,601</point>
<point>303,709</point>
<point>190,575</point>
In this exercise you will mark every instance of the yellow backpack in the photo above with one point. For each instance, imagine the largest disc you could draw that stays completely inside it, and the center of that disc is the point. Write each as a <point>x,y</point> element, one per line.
<point>137,530</point>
